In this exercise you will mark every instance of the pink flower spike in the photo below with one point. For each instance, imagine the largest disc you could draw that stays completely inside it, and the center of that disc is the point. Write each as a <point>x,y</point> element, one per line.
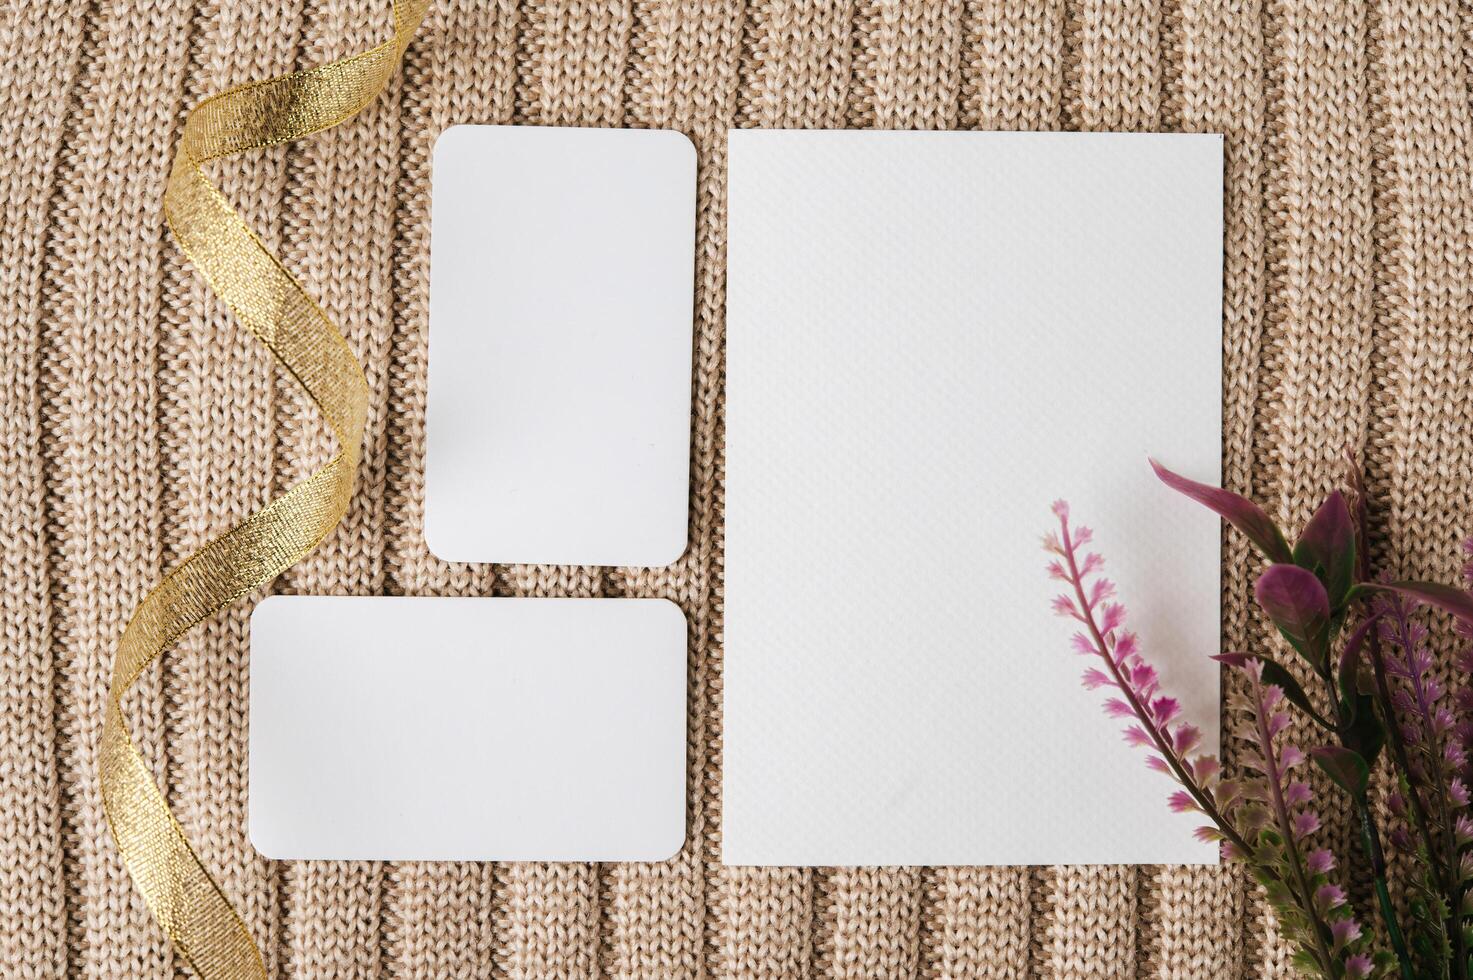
<point>1320,862</point>
<point>1157,764</point>
<point>1056,571</point>
<point>1083,536</point>
<point>1181,802</point>
<point>1064,606</point>
<point>1061,509</point>
<point>1092,563</point>
<point>1457,791</point>
<point>1297,793</point>
<point>1306,822</point>
<point>1093,679</point>
<point>1112,617</point>
<point>1051,544</point>
<point>1206,767</point>
<point>1135,735</point>
<point>1083,645</point>
<point>1359,967</point>
<point>1290,758</point>
<point>1207,834</point>
<point>1116,708</point>
<point>1127,644</point>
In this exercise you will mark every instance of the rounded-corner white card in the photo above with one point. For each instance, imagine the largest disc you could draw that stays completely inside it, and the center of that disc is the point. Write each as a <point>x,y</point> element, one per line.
<point>562,266</point>
<point>467,729</point>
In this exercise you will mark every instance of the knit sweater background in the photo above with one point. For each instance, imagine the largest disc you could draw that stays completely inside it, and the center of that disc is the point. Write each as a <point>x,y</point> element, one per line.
<point>137,419</point>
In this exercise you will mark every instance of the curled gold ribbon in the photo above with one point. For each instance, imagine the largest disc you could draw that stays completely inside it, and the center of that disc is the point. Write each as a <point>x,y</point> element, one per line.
<point>192,909</point>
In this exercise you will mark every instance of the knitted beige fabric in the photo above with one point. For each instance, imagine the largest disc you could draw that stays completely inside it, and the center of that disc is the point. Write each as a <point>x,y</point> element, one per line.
<point>138,419</point>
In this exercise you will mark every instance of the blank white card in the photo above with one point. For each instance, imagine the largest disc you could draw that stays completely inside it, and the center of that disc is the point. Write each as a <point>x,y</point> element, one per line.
<point>453,729</point>
<point>931,336</point>
<point>561,281</point>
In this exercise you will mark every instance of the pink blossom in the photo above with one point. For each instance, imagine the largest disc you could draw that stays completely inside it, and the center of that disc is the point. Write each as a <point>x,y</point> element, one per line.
<point>1328,897</point>
<point>1320,862</point>
<point>1344,931</point>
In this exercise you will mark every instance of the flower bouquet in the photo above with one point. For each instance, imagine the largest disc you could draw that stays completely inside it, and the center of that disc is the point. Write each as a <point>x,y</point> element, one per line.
<point>1358,672</point>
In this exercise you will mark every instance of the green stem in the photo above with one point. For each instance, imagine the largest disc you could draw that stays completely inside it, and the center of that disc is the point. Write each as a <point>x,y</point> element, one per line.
<point>1370,841</point>
<point>1372,844</point>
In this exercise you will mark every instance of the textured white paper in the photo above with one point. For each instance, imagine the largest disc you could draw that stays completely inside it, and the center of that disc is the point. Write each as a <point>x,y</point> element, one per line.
<point>448,729</point>
<point>561,279</point>
<point>931,336</point>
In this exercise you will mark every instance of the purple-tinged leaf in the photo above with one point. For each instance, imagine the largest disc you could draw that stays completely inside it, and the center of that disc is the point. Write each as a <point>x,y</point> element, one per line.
<point>1444,597</point>
<point>1349,672</point>
<point>1240,512</point>
<point>1346,768</point>
<point>1239,660</point>
<point>1298,605</point>
<point>1326,547</point>
<point>1365,735</point>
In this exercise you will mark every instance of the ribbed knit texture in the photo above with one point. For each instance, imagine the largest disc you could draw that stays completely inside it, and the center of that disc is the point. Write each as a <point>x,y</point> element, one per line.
<point>138,419</point>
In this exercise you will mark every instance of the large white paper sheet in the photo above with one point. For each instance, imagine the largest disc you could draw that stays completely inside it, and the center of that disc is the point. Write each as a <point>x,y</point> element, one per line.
<point>931,336</point>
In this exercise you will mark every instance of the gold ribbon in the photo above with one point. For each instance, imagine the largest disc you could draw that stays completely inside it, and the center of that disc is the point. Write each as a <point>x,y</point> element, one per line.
<point>199,920</point>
